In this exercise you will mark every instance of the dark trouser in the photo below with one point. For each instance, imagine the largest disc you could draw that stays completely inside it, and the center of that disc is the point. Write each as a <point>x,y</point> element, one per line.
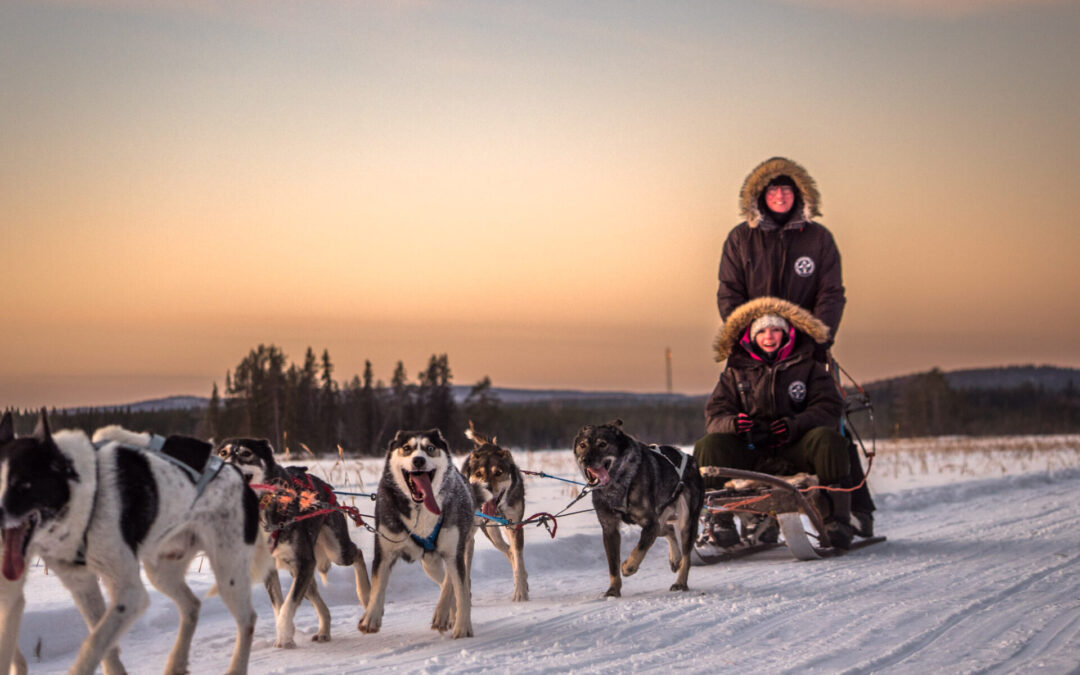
<point>822,451</point>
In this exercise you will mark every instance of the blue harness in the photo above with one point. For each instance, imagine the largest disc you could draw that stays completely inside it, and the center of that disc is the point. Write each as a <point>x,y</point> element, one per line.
<point>428,543</point>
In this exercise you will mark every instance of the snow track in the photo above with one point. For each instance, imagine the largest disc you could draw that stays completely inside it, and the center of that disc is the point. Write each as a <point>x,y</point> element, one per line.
<point>981,576</point>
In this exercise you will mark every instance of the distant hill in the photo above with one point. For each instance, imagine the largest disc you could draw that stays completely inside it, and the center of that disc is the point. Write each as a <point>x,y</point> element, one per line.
<point>1047,378</point>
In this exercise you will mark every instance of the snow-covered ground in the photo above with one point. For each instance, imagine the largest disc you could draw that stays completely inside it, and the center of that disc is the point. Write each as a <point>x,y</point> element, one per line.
<point>981,573</point>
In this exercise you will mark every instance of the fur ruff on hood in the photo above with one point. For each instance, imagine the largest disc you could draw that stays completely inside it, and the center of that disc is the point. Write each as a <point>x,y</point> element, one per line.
<point>763,173</point>
<point>744,315</point>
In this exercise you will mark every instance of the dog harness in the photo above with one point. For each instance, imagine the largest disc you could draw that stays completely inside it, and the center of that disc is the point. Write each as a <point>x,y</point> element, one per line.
<point>213,465</point>
<point>667,451</point>
<point>200,478</point>
<point>428,543</point>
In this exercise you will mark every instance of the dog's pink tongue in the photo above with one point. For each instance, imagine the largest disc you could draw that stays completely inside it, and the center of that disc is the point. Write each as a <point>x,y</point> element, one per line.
<point>601,474</point>
<point>422,482</point>
<point>488,507</point>
<point>13,556</point>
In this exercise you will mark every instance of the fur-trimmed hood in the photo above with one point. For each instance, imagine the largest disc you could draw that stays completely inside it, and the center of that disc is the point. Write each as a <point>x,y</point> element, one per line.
<point>744,315</point>
<point>763,173</point>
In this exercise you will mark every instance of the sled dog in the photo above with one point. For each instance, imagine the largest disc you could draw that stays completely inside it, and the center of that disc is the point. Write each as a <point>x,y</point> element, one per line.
<point>499,491</point>
<point>299,547</point>
<point>98,513</point>
<point>656,487</point>
<point>424,511</point>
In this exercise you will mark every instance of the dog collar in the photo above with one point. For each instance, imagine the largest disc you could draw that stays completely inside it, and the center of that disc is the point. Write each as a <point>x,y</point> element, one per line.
<point>428,543</point>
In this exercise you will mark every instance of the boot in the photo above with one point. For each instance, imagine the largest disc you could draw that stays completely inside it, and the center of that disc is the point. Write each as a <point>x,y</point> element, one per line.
<point>863,521</point>
<point>718,530</point>
<point>838,523</point>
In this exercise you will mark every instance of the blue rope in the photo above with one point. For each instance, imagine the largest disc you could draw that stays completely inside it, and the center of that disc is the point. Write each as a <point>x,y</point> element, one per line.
<point>501,521</point>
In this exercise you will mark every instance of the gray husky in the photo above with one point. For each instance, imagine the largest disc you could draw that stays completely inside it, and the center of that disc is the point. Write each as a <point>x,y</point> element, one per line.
<point>301,546</point>
<point>656,487</point>
<point>498,490</point>
<point>424,511</point>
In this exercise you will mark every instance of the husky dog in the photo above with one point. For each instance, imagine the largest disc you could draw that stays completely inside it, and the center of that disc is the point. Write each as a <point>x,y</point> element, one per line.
<point>12,600</point>
<point>656,487</point>
<point>499,490</point>
<point>424,511</point>
<point>300,547</point>
<point>93,513</point>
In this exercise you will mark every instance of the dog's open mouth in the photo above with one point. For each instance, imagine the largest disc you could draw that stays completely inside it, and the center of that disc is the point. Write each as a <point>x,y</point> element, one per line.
<point>16,539</point>
<point>491,506</point>
<point>419,483</point>
<point>597,476</point>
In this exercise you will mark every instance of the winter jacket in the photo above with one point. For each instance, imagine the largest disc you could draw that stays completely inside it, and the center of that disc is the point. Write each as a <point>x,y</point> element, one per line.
<point>794,386</point>
<point>797,262</point>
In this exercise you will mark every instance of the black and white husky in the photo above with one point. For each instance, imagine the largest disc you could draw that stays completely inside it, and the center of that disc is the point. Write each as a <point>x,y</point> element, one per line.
<point>98,513</point>
<point>499,491</point>
<point>424,511</point>
<point>298,547</point>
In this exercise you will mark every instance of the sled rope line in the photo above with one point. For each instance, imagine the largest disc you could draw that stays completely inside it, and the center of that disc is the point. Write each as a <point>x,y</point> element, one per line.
<point>547,475</point>
<point>370,495</point>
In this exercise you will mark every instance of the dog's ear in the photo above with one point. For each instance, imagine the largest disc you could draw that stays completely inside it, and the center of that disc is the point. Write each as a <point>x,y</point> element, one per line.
<point>616,423</point>
<point>437,435</point>
<point>7,428</point>
<point>399,439</point>
<point>41,431</point>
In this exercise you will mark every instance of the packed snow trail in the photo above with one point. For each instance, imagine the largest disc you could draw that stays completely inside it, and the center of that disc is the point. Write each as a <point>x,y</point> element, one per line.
<point>980,576</point>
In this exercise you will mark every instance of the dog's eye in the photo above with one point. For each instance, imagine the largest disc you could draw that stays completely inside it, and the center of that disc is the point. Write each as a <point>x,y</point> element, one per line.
<point>480,473</point>
<point>497,472</point>
<point>223,453</point>
<point>431,450</point>
<point>244,454</point>
<point>601,444</point>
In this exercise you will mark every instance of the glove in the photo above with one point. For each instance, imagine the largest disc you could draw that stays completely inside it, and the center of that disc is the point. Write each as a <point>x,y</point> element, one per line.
<point>743,423</point>
<point>779,431</point>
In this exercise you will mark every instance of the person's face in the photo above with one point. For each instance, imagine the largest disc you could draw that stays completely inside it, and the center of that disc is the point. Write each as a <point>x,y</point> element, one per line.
<point>779,198</point>
<point>769,339</point>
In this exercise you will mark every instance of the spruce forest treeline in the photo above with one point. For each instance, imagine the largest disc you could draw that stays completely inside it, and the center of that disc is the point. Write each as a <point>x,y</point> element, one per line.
<point>303,407</point>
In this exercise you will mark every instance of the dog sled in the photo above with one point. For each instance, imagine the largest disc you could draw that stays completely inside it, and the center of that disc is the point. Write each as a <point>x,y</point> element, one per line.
<point>789,501</point>
<point>792,502</point>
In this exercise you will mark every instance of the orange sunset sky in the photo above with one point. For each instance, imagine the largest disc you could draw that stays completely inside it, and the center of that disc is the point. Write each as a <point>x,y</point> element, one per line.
<point>538,189</point>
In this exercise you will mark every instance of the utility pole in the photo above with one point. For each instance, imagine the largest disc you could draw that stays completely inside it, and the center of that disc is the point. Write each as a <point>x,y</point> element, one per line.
<point>667,358</point>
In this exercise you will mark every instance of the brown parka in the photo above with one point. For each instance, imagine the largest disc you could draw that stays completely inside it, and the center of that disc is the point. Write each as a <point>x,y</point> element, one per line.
<point>794,387</point>
<point>797,262</point>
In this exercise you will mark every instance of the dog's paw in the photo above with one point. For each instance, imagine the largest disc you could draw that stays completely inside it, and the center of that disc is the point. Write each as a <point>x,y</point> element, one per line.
<point>613,593</point>
<point>320,637</point>
<point>521,595</point>
<point>285,644</point>
<point>628,568</point>
<point>675,562</point>
<point>463,632</point>
<point>367,625</point>
<point>679,587</point>
<point>441,623</point>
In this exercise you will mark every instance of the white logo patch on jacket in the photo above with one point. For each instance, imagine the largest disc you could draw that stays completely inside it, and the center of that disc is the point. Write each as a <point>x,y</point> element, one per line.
<point>805,266</point>
<point>797,391</point>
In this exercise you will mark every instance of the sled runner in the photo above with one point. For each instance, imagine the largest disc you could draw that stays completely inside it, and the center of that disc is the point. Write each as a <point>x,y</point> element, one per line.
<point>768,496</point>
